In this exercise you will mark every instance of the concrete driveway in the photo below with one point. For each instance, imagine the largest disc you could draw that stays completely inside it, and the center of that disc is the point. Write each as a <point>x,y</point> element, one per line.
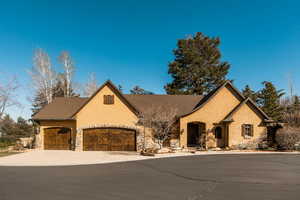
<point>65,158</point>
<point>68,158</point>
<point>215,177</point>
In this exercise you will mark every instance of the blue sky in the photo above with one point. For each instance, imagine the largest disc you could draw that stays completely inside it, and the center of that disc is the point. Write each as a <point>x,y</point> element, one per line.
<point>131,42</point>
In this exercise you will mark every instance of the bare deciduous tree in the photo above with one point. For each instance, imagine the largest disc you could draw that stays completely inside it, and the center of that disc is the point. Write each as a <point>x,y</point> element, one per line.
<point>8,95</point>
<point>91,85</point>
<point>161,120</point>
<point>42,75</point>
<point>291,108</point>
<point>290,84</point>
<point>68,66</point>
<point>288,137</point>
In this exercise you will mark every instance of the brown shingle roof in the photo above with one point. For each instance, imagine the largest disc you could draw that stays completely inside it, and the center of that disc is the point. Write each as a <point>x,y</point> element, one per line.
<point>183,103</point>
<point>60,108</point>
<point>64,108</point>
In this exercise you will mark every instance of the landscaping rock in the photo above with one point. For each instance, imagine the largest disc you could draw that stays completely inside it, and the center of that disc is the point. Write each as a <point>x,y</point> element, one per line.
<point>163,150</point>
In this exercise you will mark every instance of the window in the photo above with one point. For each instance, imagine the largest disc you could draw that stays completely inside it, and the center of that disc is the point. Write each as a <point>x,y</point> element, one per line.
<point>247,130</point>
<point>218,132</point>
<point>108,99</point>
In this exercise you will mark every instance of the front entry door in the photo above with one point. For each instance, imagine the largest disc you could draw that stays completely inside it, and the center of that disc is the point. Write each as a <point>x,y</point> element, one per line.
<point>220,137</point>
<point>196,134</point>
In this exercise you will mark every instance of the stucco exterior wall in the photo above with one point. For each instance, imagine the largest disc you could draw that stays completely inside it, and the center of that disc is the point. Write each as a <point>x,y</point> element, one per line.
<point>212,112</point>
<point>245,115</point>
<point>95,112</point>
<point>51,123</point>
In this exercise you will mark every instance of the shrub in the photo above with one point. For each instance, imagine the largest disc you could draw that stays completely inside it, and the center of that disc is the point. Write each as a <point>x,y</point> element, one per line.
<point>249,145</point>
<point>254,144</point>
<point>288,137</point>
<point>5,142</point>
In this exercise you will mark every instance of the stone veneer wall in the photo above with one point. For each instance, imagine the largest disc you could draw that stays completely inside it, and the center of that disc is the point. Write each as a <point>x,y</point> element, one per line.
<point>143,136</point>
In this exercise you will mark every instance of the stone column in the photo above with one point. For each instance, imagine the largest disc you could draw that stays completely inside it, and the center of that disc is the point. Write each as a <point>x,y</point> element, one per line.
<point>79,140</point>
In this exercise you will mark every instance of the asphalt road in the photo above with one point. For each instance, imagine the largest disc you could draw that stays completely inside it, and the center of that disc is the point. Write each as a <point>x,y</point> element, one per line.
<point>216,177</point>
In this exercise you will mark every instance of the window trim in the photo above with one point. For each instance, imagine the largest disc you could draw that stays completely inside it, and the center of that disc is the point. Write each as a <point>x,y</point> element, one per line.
<point>247,131</point>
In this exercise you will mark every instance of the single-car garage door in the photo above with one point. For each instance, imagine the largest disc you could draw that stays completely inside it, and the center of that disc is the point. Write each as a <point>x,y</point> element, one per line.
<point>57,139</point>
<point>109,139</point>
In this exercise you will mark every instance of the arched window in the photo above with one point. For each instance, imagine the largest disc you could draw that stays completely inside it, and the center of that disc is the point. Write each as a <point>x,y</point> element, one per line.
<point>218,132</point>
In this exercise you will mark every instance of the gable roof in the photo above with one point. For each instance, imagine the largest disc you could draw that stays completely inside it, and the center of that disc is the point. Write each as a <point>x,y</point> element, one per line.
<point>109,84</point>
<point>66,108</point>
<point>244,100</point>
<point>229,117</point>
<point>213,93</point>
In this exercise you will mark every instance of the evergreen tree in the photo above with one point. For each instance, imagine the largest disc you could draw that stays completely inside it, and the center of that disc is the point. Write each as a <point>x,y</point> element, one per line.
<point>11,130</point>
<point>61,87</point>
<point>38,103</point>
<point>120,88</point>
<point>7,126</point>
<point>23,128</point>
<point>268,99</point>
<point>138,90</point>
<point>197,68</point>
<point>58,90</point>
<point>248,93</point>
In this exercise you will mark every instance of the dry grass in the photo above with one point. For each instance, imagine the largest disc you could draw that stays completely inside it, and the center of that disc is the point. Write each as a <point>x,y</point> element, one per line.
<point>2,154</point>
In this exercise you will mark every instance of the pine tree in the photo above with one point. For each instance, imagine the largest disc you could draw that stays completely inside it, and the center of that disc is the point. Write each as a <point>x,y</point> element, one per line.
<point>197,68</point>
<point>120,88</point>
<point>138,90</point>
<point>249,93</point>
<point>58,90</point>
<point>61,87</point>
<point>23,128</point>
<point>7,125</point>
<point>38,103</point>
<point>268,99</point>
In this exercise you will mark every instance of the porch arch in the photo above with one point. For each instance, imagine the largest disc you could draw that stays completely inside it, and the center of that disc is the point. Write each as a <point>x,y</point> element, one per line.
<point>196,134</point>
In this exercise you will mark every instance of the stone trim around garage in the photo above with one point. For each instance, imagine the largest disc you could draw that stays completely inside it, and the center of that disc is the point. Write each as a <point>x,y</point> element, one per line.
<point>139,135</point>
<point>39,137</point>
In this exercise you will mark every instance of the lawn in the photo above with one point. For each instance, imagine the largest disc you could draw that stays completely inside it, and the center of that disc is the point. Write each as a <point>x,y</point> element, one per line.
<point>2,154</point>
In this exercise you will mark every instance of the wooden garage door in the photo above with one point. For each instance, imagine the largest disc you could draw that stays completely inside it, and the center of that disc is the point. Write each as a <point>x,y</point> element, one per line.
<point>109,139</point>
<point>57,139</point>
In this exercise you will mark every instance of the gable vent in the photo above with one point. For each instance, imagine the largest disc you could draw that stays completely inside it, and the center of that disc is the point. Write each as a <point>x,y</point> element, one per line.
<point>108,99</point>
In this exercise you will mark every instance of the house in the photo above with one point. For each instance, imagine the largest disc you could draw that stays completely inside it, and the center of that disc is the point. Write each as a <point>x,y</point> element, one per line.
<point>107,120</point>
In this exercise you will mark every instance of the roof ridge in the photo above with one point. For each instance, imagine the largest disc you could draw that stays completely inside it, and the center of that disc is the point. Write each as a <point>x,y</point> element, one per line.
<point>70,97</point>
<point>212,93</point>
<point>235,109</point>
<point>164,95</point>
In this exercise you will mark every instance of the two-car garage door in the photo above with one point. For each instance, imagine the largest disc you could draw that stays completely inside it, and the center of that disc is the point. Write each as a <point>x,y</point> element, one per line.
<point>109,139</point>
